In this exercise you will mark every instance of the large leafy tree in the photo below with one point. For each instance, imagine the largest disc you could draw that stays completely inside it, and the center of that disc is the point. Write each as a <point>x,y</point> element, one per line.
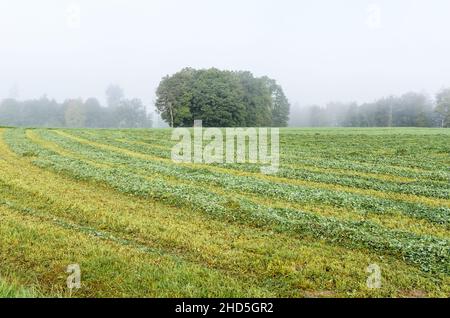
<point>221,99</point>
<point>217,99</point>
<point>257,99</point>
<point>280,104</point>
<point>174,96</point>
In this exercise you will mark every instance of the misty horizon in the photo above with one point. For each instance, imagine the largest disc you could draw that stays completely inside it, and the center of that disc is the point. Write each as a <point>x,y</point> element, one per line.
<point>318,51</point>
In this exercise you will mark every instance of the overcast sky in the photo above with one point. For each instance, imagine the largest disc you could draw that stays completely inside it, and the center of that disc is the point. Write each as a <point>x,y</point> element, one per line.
<point>318,50</point>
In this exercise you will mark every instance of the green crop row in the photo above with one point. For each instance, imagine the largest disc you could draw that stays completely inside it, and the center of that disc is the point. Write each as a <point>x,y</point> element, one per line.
<point>418,187</point>
<point>291,193</point>
<point>429,253</point>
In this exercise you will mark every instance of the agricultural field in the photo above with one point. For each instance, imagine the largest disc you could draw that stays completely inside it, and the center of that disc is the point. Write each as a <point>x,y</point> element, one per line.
<point>140,225</point>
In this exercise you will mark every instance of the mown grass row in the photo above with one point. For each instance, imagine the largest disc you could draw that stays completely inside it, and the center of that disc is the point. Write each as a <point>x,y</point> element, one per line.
<point>298,267</point>
<point>302,153</point>
<point>262,264</point>
<point>394,221</point>
<point>108,263</point>
<point>290,193</point>
<point>414,150</point>
<point>302,149</point>
<point>429,253</point>
<point>417,187</point>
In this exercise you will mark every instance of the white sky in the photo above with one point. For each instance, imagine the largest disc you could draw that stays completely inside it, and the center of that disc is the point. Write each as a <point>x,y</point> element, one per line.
<point>317,50</point>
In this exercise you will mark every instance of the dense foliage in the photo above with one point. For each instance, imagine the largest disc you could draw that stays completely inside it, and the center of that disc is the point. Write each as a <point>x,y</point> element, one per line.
<point>221,99</point>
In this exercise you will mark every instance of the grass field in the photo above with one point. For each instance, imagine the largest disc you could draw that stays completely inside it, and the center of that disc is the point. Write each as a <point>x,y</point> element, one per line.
<point>140,225</point>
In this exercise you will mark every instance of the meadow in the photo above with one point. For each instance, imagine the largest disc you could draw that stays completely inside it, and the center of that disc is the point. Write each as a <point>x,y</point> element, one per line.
<point>140,225</point>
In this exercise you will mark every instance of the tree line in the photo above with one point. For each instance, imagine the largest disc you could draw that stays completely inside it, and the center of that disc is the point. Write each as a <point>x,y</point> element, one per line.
<point>409,110</point>
<point>225,99</point>
<point>120,112</point>
<point>221,99</point>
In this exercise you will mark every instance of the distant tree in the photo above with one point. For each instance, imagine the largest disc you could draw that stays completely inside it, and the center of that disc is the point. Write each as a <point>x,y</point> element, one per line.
<point>10,112</point>
<point>75,114</point>
<point>257,96</point>
<point>96,115</point>
<point>174,98</point>
<point>443,107</point>
<point>42,112</point>
<point>131,114</point>
<point>317,116</point>
<point>352,117</point>
<point>409,110</point>
<point>380,113</point>
<point>298,116</point>
<point>335,113</point>
<point>217,99</point>
<point>114,94</point>
<point>221,98</point>
<point>165,101</point>
<point>280,104</point>
<point>412,110</point>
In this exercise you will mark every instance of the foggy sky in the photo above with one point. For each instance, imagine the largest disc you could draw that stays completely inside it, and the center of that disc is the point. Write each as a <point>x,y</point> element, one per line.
<point>348,50</point>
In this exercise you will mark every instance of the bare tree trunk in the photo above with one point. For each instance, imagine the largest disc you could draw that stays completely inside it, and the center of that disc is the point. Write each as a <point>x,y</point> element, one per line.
<point>171,114</point>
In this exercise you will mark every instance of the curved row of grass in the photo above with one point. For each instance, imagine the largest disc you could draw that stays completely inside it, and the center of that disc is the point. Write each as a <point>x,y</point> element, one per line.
<point>332,154</point>
<point>420,187</point>
<point>429,253</point>
<point>272,263</point>
<point>359,203</point>
<point>394,221</point>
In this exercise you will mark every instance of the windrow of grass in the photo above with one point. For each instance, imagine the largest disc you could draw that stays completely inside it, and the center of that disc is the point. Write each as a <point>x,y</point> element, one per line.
<point>163,150</point>
<point>359,203</point>
<point>302,150</point>
<point>393,221</point>
<point>283,264</point>
<point>426,188</point>
<point>419,152</point>
<point>256,260</point>
<point>28,245</point>
<point>427,252</point>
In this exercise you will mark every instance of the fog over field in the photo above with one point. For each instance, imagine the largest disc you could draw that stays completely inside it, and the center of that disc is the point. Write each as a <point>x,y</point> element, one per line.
<point>318,51</point>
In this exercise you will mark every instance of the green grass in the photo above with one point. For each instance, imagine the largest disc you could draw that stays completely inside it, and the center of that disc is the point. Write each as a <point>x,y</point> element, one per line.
<point>11,291</point>
<point>140,225</point>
